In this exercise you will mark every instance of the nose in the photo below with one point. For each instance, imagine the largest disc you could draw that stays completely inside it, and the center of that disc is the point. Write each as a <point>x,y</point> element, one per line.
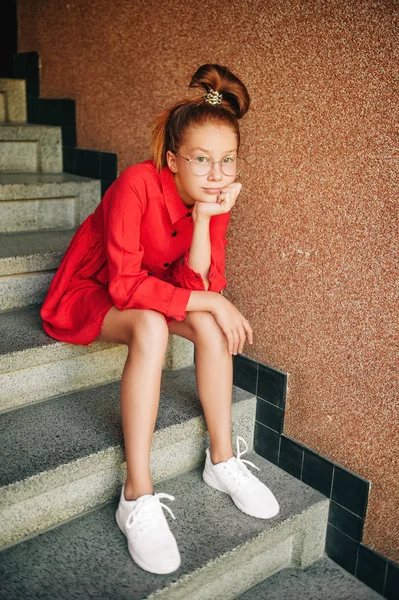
<point>216,173</point>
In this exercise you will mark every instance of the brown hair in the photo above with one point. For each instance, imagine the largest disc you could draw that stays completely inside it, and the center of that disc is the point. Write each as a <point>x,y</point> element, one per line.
<point>169,128</point>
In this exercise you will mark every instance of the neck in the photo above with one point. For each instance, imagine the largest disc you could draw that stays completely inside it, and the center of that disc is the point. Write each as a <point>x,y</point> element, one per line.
<point>186,201</point>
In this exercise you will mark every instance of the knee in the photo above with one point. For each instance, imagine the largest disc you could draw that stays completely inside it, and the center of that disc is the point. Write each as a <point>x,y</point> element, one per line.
<point>151,329</point>
<point>205,329</point>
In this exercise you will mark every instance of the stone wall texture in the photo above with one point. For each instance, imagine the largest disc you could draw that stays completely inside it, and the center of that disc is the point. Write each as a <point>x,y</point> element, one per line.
<point>313,235</point>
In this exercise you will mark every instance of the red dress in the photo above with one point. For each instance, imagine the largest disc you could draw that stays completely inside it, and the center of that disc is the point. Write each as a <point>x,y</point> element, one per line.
<point>131,252</point>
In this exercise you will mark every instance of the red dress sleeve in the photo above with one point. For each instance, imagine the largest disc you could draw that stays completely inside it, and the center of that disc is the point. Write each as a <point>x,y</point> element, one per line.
<point>184,276</point>
<point>130,286</point>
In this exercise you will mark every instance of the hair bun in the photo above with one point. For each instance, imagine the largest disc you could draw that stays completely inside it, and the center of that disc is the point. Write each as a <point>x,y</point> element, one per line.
<point>221,79</point>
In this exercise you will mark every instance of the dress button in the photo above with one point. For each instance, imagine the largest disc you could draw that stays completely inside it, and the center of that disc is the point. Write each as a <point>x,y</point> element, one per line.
<point>166,264</point>
<point>149,273</point>
<point>188,214</point>
<point>174,233</point>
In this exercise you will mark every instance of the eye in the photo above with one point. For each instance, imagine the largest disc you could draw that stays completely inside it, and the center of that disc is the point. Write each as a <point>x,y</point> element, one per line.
<point>202,159</point>
<point>229,159</point>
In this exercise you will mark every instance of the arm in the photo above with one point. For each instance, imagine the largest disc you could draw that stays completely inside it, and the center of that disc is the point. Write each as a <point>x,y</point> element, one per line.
<point>130,286</point>
<point>199,258</point>
<point>202,266</point>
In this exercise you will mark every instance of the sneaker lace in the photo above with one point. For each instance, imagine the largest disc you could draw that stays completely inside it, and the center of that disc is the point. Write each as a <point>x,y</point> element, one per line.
<point>238,470</point>
<point>143,514</point>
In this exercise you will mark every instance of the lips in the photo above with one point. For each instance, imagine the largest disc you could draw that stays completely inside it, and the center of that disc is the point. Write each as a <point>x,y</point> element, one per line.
<point>212,190</point>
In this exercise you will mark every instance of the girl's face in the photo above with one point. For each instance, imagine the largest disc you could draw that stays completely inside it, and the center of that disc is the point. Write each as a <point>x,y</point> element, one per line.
<point>215,141</point>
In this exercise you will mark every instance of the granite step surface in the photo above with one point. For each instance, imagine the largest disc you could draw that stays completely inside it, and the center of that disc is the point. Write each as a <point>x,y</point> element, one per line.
<point>25,147</point>
<point>224,551</point>
<point>62,456</point>
<point>322,580</point>
<point>35,366</point>
<point>45,201</point>
<point>28,262</point>
<point>12,100</point>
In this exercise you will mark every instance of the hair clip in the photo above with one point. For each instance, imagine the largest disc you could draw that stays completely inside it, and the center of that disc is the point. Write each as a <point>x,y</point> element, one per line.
<point>213,97</point>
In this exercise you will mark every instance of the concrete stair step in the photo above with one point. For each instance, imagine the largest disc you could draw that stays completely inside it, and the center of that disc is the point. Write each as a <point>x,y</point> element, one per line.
<point>224,551</point>
<point>35,366</point>
<point>65,455</point>
<point>25,147</point>
<point>322,580</point>
<point>32,251</point>
<point>28,261</point>
<point>12,100</point>
<point>41,201</point>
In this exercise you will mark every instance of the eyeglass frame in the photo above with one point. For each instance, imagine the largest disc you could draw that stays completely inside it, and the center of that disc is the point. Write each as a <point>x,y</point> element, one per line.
<point>214,162</point>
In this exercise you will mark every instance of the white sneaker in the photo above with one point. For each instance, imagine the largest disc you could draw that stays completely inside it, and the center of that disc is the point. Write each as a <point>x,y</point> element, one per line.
<point>232,477</point>
<point>151,543</point>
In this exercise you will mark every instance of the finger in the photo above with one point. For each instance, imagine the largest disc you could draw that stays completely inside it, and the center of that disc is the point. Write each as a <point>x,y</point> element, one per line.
<point>223,196</point>
<point>242,338</point>
<point>230,341</point>
<point>249,331</point>
<point>236,340</point>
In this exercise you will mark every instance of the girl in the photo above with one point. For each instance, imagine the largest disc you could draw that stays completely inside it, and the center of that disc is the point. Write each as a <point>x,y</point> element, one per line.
<point>147,262</point>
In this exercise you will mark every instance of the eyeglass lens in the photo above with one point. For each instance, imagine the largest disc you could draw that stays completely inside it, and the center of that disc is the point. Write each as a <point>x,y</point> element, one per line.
<point>202,164</point>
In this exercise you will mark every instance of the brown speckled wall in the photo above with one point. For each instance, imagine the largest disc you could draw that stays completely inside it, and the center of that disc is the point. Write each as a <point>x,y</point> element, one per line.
<point>313,236</point>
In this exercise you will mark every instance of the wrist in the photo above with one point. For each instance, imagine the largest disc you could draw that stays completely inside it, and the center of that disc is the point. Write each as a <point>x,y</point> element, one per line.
<point>202,220</point>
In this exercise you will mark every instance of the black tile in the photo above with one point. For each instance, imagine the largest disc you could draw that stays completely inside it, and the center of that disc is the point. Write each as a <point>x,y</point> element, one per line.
<point>32,109</point>
<point>26,65</point>
<point>68,136</point>
<point>371,568</point>
<point>290,458</point>
<point>272,385</point>
<point>108,165</point>
<point>32,88</point>
<point>50,111</point>
<point>88,163</point>
<point>19,65</point>
<point>391,591</point>
<point>345,521</point>
<point>341,549</point>
<point>245,373</point>
<point>31,65</point>
<point>317,472</point>
<point>68,112</point>
<point>104,186</point>
<point>69,160</point>
<point>269,415</point>
<point>350,491</point>
<point>266,442</point>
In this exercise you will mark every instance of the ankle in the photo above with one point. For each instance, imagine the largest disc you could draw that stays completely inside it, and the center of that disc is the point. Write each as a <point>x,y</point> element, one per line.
<point>134,492</point>
<point>218,456</point>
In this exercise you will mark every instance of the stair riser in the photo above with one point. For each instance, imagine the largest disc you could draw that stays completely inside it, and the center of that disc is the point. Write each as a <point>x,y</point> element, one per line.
<point>41,502</point>
<point>34,208</point>
<point>33,152</point>
<point>37,215</point>
<point>19,388</point>
<point>36,382</point>
<point>24,289</point>
<point>19,157</point>
<point>12,100</point>
<point>301,538</point>
<point>3,107</point>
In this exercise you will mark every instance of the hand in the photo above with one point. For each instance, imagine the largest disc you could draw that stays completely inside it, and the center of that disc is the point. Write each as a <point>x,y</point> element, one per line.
<point>233,324</point>
<point>224,202</point>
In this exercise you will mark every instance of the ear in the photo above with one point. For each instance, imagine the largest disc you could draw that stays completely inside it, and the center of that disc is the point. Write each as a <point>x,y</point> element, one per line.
<point>171,160</point>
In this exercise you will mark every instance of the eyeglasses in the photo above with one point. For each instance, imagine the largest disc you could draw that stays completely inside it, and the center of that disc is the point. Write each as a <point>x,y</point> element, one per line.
<point>202,164</point>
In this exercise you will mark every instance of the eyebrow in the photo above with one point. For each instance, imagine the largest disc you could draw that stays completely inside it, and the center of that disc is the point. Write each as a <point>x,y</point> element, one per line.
<point>205,150</point>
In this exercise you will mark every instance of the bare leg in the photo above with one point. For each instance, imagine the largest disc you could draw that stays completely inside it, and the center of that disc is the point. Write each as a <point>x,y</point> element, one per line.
<point>214,372</point>
<point>146,334</point>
